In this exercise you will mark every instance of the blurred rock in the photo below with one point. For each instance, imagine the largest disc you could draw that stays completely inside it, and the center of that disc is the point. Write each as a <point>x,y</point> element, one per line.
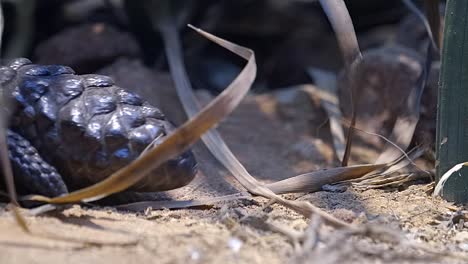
<point>86,48</point>
<point>383,81</point>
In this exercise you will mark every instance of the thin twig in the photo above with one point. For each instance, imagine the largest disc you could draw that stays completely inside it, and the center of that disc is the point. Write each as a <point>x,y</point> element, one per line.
<point>5,162</point>
<point>342,24</point>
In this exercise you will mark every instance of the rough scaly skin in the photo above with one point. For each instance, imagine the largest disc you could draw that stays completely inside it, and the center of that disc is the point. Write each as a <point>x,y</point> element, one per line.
<point>84,126</point>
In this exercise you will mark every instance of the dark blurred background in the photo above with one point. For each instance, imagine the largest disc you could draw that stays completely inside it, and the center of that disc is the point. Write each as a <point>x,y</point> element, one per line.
<point>290,39</point>
<point>287,36</point>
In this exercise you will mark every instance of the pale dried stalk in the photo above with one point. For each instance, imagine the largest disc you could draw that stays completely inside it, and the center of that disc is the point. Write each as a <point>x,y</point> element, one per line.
<point>5,162</point>
<point>342,24</point>
<point>213,139</point>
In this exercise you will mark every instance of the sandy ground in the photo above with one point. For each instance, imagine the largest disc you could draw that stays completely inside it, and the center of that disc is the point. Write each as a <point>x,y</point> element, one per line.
<point>275,136</point>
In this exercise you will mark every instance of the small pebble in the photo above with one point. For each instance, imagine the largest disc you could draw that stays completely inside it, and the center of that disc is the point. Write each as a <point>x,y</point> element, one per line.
<point>195,254</point>
<point>235,244</point>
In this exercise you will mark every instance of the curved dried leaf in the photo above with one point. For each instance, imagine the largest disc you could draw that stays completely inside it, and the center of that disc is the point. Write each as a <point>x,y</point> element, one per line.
<point>438,190</point>
<point>213,139</point>
<point>180,140</point>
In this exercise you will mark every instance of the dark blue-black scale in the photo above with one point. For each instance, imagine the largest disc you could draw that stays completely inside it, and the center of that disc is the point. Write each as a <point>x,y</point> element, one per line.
<point>69,131</point>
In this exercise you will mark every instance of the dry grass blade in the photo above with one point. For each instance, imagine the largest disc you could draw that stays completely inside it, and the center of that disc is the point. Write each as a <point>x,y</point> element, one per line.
<point>181,139</point>
<point>438,190</point>
<point>213,139</point>
<point>7,171</point>
<point>313,181</point>
<point>5,162</point>
<point>326,91</point>
<point>342,24</point>
<point>404,160</point>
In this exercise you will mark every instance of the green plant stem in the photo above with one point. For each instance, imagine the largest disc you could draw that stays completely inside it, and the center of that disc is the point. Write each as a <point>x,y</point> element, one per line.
<point>452,117</point>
